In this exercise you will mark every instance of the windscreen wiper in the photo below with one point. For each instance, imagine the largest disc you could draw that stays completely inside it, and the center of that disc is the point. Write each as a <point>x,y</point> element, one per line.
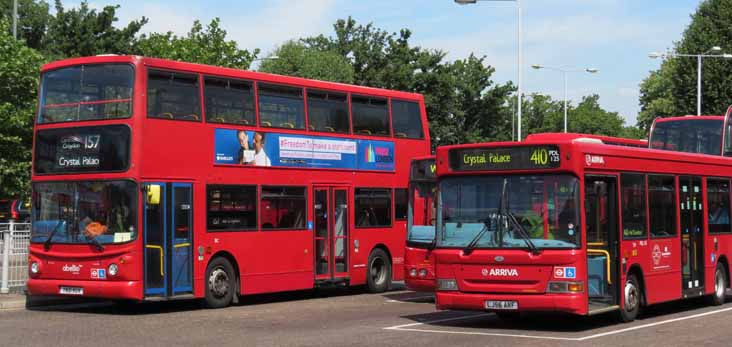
<point>96,243</point>
<point>47,243</point>
<point>474,242</point>
<point>523,232</point>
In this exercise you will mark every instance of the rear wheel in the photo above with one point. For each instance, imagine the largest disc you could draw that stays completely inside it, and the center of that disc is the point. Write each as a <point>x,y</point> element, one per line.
<point>720,285</point>
<point>631,299</point>
<point>379,271</point>
<point>219,283</point>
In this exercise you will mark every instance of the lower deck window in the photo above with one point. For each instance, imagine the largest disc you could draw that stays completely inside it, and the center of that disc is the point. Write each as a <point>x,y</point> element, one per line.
<point>283,207</point>
<point>373,207</point>
<point>231,208</point>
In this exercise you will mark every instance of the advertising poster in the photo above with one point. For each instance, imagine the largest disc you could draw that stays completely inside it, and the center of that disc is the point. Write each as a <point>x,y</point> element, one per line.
<point>258,148</point>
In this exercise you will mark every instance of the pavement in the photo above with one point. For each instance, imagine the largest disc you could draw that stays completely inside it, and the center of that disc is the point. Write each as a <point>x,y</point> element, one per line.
<point>350,317</point>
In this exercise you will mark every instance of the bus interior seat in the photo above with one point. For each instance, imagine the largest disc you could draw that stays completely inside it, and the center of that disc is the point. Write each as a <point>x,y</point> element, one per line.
<point>364,131</point>
<point>330,129</point>
<point>265,123</point>
<point>166,115</point>
<point>402,135</point>
<point>242,121</point>
<point>287,125</point>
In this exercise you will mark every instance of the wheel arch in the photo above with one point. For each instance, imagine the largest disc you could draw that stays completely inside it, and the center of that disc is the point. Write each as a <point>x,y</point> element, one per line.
<point>723,260</point>
<point>232,260</point>
<point>636,270</point>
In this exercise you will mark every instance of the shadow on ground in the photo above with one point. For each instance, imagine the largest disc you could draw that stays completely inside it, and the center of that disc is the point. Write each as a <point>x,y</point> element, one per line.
<point>550,322</point>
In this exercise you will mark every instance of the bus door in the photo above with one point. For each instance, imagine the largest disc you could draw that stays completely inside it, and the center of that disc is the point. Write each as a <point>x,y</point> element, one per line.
<point>168,236</point>
<point>330,213</point>
<point>692,236</point>
<point>601,223</point>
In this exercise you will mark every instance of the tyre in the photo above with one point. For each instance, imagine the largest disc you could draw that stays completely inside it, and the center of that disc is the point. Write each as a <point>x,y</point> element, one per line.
<point>720,285</point>
<point>220,285</point>
<point>631,299</point>
<point>379,271</point>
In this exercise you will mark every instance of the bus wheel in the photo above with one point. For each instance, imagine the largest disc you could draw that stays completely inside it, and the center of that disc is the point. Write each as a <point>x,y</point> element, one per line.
<point>720,285</point>
<point>379,271</point>
<point>219,283</point>
<point>631,298</point>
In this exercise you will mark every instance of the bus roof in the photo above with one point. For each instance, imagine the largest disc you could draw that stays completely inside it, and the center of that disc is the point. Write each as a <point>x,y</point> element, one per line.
<point>688,117</point>
<point>230,72</point>
<point>610,140</point>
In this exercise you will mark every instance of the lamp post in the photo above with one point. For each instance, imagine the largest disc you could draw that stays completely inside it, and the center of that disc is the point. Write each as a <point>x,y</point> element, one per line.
<point>520,51</point>
<point>15,19</point>
<point>564,72</point>
<point>715,49</point>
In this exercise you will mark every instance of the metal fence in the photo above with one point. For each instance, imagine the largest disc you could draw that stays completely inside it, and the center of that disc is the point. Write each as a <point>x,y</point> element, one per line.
<point>14,241</point>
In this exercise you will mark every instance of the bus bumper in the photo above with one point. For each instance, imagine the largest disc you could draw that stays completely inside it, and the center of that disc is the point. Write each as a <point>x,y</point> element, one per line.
<point>420,285</point>
<point>570,303</point>
<point>91,289</point>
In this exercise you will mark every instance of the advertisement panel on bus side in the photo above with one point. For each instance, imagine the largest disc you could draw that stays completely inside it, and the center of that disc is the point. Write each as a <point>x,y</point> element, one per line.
<point>246,147</point>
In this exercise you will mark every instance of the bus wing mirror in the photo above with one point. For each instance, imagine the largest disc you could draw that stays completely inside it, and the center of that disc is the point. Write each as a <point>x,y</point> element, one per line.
<point>153,194</point>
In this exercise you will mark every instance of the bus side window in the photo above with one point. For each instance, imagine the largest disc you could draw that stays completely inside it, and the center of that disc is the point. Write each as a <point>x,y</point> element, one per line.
<point>719,204</point>
<point>173,95</point>
<point>633,199</point>
<point>370,115</point>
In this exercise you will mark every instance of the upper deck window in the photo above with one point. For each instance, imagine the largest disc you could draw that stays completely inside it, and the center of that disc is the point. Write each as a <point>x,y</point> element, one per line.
<point>327,111</point>
<point>173,95</point>
<point>688,135</point>
<point>86,92</point>
<point>281,106</point>
<point>370,115</point>
<point>229,101</point>
<point>406,119</point>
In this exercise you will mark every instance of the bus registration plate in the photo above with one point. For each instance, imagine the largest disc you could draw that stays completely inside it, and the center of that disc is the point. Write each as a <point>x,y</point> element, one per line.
<point>71,290</point>
<point>501,305</point>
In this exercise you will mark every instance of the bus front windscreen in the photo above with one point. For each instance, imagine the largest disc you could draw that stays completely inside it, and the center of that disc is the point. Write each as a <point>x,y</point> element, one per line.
<point>102,212</point>
<point>511,211</point>
<point>422,208</point>
<point>86,92</point>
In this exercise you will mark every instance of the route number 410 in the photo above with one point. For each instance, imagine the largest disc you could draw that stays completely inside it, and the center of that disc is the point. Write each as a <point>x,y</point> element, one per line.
<point>543,156</point>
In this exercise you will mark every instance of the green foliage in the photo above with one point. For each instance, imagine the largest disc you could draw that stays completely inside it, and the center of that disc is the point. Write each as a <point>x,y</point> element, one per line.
<point>672,89</point>
<point>463,104</point>
<point>201,45</point>
<point>19,66</point>
<point>296,58</point>
<point>84,32</point>
<point>33,19</point>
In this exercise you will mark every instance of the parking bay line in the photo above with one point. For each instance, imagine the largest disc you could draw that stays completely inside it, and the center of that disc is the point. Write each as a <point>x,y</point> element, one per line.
<point>413,298</point>
<point>406,327</point>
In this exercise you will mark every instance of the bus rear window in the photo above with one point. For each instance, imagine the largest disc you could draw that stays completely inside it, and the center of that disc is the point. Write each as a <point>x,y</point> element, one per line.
<point>86,92</point>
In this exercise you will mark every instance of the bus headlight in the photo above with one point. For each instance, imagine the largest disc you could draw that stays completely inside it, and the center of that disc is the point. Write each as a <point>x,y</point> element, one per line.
<point>446,284</point>
<point>423,273</point>
<point>34,268</point>
<point>413,272</point>
<point>113,269</point>
<point>565,287</point>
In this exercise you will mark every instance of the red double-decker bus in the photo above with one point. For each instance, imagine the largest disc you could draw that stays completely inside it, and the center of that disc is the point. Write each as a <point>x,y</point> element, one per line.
<point>569,223</point>
<point>156,179</point>
<point>419,272</point>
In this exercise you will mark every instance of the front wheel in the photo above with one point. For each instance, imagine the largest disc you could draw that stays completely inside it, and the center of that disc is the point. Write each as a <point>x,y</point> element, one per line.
<point>631,299</point>
<point>379,271</point>
<point>720,285</point>
<point>219,283</point>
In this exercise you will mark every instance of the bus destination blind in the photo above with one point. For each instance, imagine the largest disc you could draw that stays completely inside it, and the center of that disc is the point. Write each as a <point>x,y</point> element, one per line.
<point>505,158</point>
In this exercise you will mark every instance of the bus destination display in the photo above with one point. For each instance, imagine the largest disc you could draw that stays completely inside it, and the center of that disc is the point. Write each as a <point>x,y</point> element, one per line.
<point>423,169</point>
<point>84,149</point>
<point>505,158</point>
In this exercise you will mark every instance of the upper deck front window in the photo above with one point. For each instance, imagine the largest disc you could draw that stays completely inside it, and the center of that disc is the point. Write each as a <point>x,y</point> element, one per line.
<point>513,211</point>
<point>688,135</point>
<point>86,92</point>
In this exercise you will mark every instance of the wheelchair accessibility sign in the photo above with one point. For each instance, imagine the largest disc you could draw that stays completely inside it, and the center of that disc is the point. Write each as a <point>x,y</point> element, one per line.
<point>565,272</point>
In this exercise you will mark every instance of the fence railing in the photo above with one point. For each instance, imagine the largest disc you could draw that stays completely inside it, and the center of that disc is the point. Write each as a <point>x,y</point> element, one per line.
<point>14,241</point>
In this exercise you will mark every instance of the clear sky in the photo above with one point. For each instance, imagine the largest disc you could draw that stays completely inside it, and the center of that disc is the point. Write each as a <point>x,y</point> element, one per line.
<point>614,36</point>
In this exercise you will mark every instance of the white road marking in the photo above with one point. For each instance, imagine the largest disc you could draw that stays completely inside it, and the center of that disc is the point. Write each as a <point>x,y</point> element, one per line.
<point>409,327</point>
<point>413,298</point>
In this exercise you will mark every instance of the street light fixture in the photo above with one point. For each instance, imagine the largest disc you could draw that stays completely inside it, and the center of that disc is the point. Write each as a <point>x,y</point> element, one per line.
<point>520,51</point>
<point>714,49</point>
<point>564,76</point>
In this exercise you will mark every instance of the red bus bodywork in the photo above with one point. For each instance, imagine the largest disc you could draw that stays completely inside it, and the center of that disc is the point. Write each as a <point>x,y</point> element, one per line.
<point>419,272</point>
<point>664,264</point>
<point>166,153</point>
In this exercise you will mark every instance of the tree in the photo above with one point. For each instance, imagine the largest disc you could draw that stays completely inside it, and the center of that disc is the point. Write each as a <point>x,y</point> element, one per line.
<point>656,95</point>
<point>203,46</point>
<point>84,32</point>
<point>19,66</point>
<point>295,58</point>
<point>463,103</point>
<point>33,20</point>
<point>672,89</point>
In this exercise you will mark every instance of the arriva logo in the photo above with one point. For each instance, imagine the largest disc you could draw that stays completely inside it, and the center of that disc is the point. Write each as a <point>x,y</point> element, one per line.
<point>71,268</point>
<point>500,272</point>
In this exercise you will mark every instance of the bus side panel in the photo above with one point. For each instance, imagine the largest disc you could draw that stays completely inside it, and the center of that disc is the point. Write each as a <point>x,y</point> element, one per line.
<point>368,239</point>
<point>663,277</point>
<point>724,248</point>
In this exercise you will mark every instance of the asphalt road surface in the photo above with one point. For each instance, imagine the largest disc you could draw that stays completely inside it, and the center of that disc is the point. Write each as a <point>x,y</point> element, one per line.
<point>348,317</point>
